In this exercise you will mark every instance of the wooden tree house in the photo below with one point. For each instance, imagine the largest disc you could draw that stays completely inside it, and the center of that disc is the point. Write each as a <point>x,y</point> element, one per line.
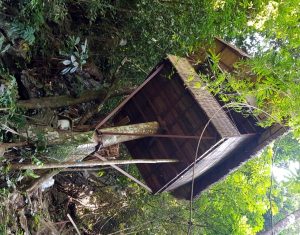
<point>171,96</point>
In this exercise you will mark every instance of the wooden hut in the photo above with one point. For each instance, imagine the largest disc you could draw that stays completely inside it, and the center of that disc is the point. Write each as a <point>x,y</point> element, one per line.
<point>172,96</point>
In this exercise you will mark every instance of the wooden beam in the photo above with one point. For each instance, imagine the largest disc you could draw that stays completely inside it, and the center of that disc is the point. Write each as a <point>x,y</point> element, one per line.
<point>130,96</point>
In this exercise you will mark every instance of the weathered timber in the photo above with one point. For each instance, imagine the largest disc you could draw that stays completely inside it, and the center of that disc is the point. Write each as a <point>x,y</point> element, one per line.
<point>186,110</point>
<point>53,136</point>
<point>81,144</point>
<point>89,163</point>
<point>14,144</point>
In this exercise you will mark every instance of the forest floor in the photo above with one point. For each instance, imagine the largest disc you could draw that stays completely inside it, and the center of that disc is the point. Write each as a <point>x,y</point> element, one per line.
<point>87,198</point>
<point>58,77</point>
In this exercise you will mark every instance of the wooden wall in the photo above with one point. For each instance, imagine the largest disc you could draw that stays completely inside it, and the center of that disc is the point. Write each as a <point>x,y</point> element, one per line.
<point>166,100</point>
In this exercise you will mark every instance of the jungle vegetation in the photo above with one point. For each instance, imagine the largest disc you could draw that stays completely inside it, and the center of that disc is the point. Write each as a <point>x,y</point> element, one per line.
<point>65,48</point>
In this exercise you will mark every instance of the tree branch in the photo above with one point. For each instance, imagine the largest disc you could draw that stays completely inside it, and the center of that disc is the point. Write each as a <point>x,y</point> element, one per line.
<point>66,100</point>
<point>282,224</point>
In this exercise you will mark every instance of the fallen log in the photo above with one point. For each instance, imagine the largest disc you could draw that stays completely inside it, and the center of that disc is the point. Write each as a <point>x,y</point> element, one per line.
<point>67,100</point>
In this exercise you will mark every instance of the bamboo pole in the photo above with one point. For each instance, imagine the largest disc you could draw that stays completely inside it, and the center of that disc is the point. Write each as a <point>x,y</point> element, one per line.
<point>19,166</point>
<point>125,173</point>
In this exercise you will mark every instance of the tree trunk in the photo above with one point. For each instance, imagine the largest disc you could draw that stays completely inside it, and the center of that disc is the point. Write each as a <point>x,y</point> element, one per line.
<point>78,145</point>
<point>282,224</point>
<point>60,101</point>
<point>148,128</point>
<point>87,142</point>
<point>84,149</point>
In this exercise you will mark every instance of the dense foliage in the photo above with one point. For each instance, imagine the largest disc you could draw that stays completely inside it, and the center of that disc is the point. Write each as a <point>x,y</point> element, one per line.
<point>239,204</point>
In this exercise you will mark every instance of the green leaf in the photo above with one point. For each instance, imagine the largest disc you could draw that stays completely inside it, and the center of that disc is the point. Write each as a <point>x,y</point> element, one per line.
<point>77,40</point>
<point>197,85</point>
<point>67,62</point>
<point>31,174</point>
<point>73,70</point>
<point>65,71</point>
<point>73,58</point>
<point>190,78</point>
<point>101,173</point>
<point>75,64</point>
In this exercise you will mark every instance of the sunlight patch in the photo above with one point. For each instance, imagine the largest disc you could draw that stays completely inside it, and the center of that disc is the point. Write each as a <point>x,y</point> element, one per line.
<point>271,11</point>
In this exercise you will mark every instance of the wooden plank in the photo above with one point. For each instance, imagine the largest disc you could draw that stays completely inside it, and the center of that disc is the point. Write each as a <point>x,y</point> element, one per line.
<point>146,170</point>
<point>228,57</point>
<point>238,51</point>
<point>146,112</point>
<point>172,115</point>
<point>151,76</point>
<point>185,176</point>
<point>155,181</point>
<point>184,171</point>
<point>224,67</point>
<point>218,47</point>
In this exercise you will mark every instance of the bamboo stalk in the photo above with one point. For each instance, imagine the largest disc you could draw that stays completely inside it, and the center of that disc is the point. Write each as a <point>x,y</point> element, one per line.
<point>73,223</point>
<point>89,163</point>
<point>125,173</point>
